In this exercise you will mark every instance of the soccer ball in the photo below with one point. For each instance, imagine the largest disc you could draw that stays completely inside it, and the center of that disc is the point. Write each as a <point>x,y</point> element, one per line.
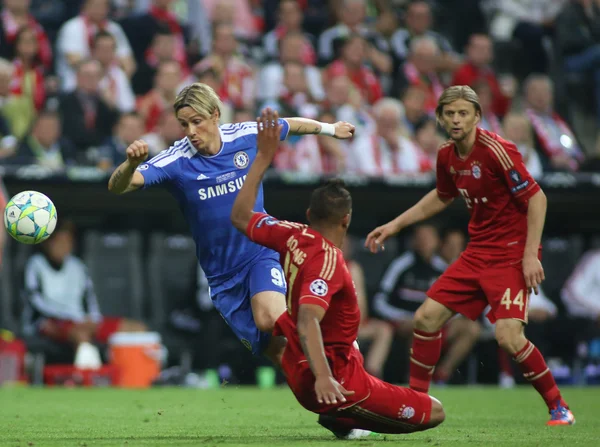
<point>30,217</point>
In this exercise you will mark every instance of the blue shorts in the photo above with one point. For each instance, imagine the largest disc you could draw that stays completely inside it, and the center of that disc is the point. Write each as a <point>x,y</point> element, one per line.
<point>233,302</point>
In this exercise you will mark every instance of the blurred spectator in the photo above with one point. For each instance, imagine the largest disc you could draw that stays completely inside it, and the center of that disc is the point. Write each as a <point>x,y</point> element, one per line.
<point>428,139</point>
<point>403,289</point>
<point>489,119</point>
<point>16,15</point>
<point>555,141</point>
<point>295,98</point>
<point>236,12</point>
<point>28,76</point>
<point>578,39</point>
<point>413,99</point>
<point>162,49</point>
<point>61,303</point>
<point>143,29</point>
<point>419,22</point>
<point>16,112</point>
<point>289,21</point>
<point>167,132</point>
<point>352,64</point>
<point>528,21</point>
<point>581,292</point>
<point>44,146</point>
<point>243,116</point>
<point>387,151</point>
<point>236,77</point>
<point>517,129</point>
<point>478,67</point>
<point>270,81</point>
<point>592,163</point>
<point>162,96</point>
<point>115,87</point>
<point>87,120</point>
<point>76,37</point>
<point>333,151</point>
<point>352,17</point>
<point>129,127</point>
<point>371,329</point>
<point>419,71</point>
<point>354,108</point>
<point>50,15</point>
<point>210,78</point>
<point>315,15</point>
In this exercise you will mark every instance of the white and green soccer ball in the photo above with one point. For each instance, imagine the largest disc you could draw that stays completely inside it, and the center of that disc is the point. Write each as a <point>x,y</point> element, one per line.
<point>30,217</point>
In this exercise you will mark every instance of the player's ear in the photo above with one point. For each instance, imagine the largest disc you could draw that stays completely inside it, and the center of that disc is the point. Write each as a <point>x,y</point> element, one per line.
<point>216,115</point>
<point>346,221</point>
<point>308,215</point>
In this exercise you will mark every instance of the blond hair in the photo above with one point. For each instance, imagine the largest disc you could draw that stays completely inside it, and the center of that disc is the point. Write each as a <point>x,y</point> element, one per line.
<point>455,93</point>
<point>200,97</point>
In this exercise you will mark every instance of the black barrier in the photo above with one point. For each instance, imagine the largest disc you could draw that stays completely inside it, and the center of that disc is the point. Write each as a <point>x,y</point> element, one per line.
<point>573,199</point>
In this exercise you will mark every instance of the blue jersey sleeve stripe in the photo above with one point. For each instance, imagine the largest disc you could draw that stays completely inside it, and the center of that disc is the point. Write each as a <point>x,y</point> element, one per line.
<point>286,128</point>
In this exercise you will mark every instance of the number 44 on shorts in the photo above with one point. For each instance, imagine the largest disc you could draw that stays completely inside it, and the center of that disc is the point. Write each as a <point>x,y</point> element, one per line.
<point>518,300</point>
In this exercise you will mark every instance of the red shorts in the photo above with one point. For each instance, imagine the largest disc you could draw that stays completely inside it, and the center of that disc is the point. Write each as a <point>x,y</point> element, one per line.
<point>375,405</point>
<point>104,329</point>
<point>475,280</point>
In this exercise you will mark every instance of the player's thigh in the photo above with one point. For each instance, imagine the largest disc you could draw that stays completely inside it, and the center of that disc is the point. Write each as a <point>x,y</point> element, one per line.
<point>267,289</point>
<point>391,408</point>
<point>506,292</point>
<point>234,306</point>
<point>459,287</point>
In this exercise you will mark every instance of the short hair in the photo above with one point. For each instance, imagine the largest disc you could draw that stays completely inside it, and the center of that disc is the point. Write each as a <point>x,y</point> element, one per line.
<point>330,202</point>
<point>455,93</point>
<point>423,41</point>
<point>200,97</point>
<point>536,77</point>
<point>103,34</point>
<point>387,104</point>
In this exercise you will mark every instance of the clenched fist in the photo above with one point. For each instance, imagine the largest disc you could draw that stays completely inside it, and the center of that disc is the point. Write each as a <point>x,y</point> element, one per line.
<point>343,130</point>
<point>137,152</point>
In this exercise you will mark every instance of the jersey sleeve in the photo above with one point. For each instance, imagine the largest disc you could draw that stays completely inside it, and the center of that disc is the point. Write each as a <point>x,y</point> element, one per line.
<point>444,183</point>
<point>285,129</point>
<point>512,170</point>
<point>160,169</point>
<point>322,279</point>
<point>266,230</point>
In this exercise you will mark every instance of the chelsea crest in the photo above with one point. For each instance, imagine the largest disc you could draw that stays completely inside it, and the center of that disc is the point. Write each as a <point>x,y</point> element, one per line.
<point>241,160</point>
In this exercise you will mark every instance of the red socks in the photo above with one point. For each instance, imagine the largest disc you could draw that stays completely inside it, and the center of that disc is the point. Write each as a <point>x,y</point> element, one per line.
<point>534,369</point>
<point>424,355</point>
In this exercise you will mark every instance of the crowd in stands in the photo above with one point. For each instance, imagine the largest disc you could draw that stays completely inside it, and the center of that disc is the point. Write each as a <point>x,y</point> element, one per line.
<point>81,80</point>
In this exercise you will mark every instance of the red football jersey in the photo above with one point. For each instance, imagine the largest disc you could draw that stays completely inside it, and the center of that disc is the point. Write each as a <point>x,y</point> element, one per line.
<point>316,273</point>
<point>496,187</point>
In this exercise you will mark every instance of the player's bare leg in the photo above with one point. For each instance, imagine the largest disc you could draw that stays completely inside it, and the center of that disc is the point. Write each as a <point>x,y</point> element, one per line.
<point>462,336</point>
<point>510,335</point>
<point>426,349</point>
<point>267,307</point>
<point>382,334</point>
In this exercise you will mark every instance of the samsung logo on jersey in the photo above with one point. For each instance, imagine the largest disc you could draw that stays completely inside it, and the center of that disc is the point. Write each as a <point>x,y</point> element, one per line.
<point>221,190</point>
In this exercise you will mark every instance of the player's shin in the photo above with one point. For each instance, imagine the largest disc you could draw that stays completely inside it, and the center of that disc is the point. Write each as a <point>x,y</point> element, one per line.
<point>424,355</point>
<point>534,369</point>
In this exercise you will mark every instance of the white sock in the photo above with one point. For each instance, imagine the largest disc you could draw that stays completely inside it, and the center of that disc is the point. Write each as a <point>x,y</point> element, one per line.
<point>87,356</point>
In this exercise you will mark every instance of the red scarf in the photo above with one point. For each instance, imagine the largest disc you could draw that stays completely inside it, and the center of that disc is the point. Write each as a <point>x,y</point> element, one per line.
<point>550,146</point>
<point>430,83</point>
<point>170,19</point>
<point>37,90</point>
<point>91,29</point>
<point>11,29</point>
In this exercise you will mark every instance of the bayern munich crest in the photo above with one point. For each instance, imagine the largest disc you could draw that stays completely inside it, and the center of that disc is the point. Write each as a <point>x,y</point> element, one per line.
<point>241,160</point>
<point>319,287</point>
<point>476,169</point>
<point>406,412</point>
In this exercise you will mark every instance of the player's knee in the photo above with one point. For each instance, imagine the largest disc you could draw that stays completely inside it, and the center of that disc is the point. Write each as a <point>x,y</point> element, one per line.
<point>437,413</point>
<point>427,319</point>
<point>265,321</point>
<point>510,338</point>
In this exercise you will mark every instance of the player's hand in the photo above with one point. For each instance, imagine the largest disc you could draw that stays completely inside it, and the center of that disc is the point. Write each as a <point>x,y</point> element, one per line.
<point>137,152</point>
<point>377,237</point>
<point>343,130</point>
<point>269,131</point>
<point>533,272</point>
<point>329,391</point>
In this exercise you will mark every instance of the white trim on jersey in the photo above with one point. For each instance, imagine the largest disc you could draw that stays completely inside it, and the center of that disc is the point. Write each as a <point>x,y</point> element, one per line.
<point>249,129</point>
<point>181,148</point>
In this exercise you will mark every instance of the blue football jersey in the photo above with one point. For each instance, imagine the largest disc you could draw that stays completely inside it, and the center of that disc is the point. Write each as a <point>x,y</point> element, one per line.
<point>206,187</point>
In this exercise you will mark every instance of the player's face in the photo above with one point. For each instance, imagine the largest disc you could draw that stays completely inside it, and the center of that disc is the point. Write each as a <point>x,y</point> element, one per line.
<point>459,119</point>
<point>201,131</point>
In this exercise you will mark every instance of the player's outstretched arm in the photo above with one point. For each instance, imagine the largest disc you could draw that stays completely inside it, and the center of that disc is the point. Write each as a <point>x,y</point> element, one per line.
<point>267,143</point>
<point>536,216</point>
<point>304,126</point>
<point>327,389</point>
<point>125,178</point>
<point>428,206</point>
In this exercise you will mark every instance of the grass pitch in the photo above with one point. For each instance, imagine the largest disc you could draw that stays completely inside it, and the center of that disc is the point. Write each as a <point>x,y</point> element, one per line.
<point>234,416</point>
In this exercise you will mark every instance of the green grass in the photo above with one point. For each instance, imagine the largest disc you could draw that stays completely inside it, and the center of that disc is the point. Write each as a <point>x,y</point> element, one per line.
<point>247,416</point>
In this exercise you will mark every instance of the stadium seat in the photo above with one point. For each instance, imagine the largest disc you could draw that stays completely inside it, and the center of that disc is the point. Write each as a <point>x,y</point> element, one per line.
<point>114,261</point>
<point>171,262</point>
<point>559,257</point>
